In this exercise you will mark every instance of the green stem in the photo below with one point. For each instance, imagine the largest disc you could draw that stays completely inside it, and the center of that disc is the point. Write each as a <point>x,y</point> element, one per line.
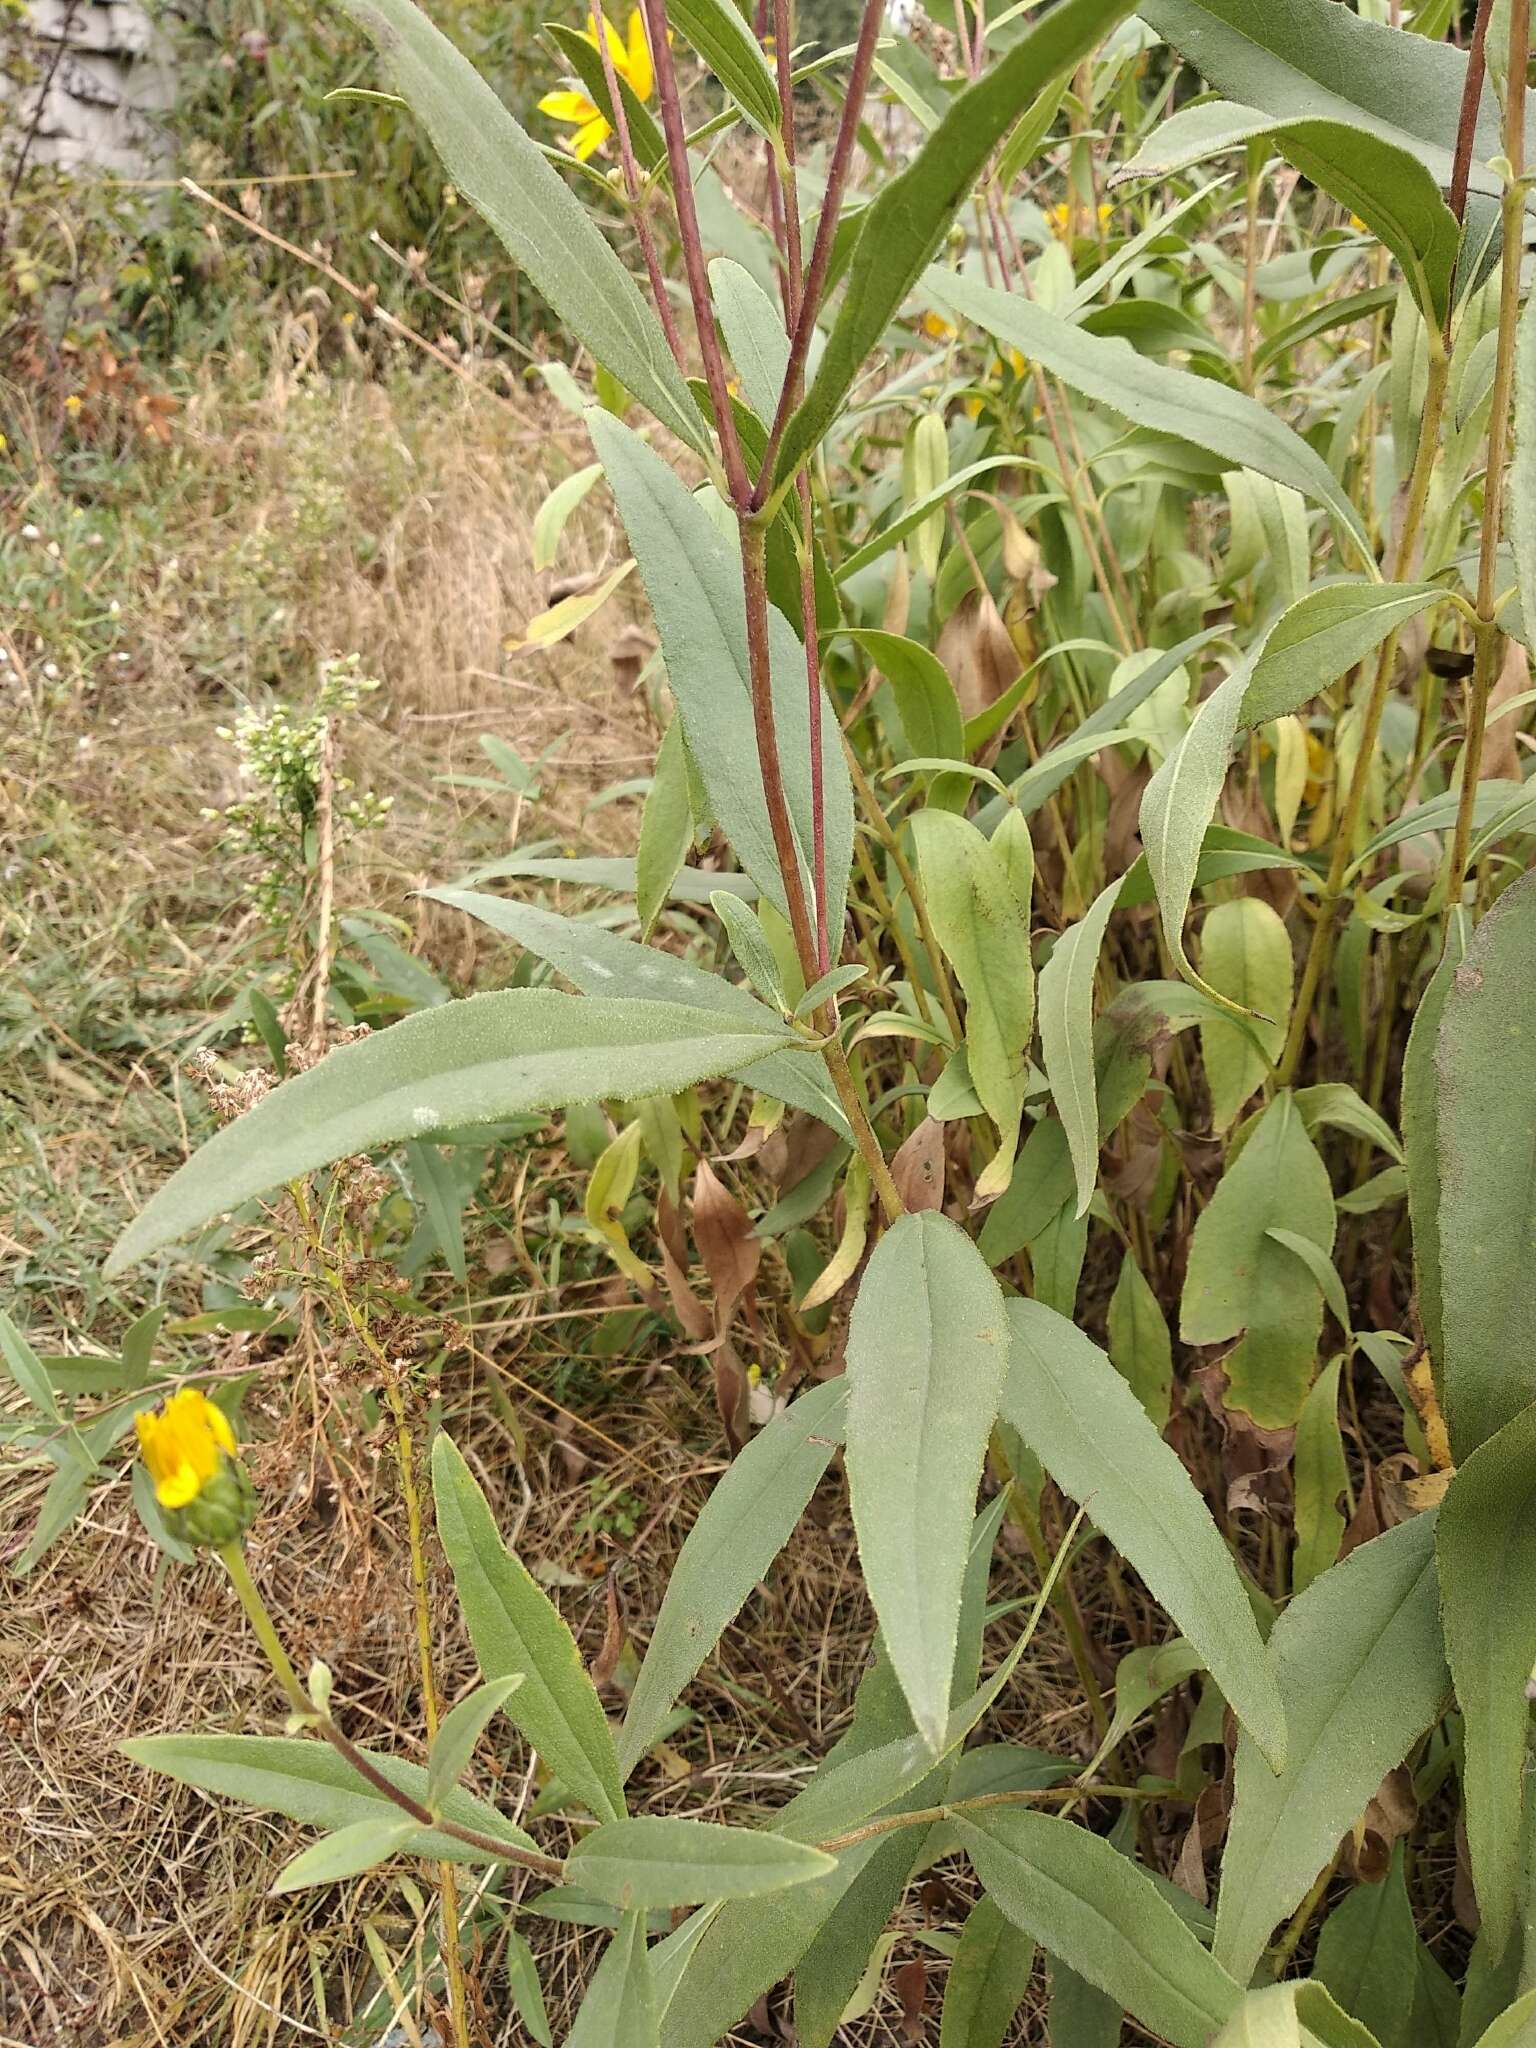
<point>1320,950</point>
<point>925,1816</point>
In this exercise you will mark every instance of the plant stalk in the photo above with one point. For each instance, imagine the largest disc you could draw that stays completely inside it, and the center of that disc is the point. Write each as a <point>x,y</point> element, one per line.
<point>1324,931</point>
<point>1488,641</point>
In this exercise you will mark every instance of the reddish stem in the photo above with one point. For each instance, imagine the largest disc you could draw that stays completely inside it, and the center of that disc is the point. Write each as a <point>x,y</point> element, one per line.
<point>632,187</point>
<point>826,234</point>
<point>693,252</point>
<point>1471,96</point>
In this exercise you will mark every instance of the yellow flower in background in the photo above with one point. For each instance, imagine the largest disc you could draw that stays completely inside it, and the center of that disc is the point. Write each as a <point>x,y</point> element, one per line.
<point>632,62</point>
<point>190,1454</point>
<point>183,1444</point>
<point>1060,217</point>
<point>937,328</point>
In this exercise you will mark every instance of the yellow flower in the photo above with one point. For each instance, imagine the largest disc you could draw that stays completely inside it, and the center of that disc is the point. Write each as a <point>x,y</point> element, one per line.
<point>1061,217</point>
<point>937,328</point>
<point>74,402</point>
<point>184,1445</point>
<point>632,63</point>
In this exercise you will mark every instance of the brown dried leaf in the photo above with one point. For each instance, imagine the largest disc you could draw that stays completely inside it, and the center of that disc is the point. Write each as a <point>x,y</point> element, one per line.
<point>1501,754</point>
<point>918,1167</point>
<point>728,1246</point>
<point>606,1662</point>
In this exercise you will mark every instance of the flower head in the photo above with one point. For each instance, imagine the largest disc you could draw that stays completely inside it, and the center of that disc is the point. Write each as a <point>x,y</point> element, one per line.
<point>189,1451</point>
<point>631,61</point>
<point>1062,218</point>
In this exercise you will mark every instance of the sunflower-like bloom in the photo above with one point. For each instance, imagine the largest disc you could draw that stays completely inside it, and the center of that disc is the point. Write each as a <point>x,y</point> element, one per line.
<point>632,62</point>
<point>189,1450</point>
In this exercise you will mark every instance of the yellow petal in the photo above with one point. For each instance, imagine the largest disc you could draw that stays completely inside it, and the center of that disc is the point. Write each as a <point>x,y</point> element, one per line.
<point>218,1422</point>
<point>592,137</point>
<point>615,43</point>
<point>178,1487</point>
<point>642,73</point>
<point>567,106</point>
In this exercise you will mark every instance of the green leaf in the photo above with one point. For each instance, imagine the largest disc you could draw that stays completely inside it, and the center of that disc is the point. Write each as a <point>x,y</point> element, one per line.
<point>549,233</point>
<point>1421,1138</point>
<point>652,1861</point>
<point>461,1730</point>
<point>1322,637</point>
<point>619,2010</point>
<point>1241,1283</point>
<point>1140,1348</point>
<point>1265,2019</point>
<point>754,334</point>
<point>742,1527</point>
<point>1143,1677</point>
<point>927,1353</point>
<point>1176,808</point>
<point>982,923</point>
<point>693,580</point>
<point>1066,1036</point>
<point>468,1062</point>
<point>666,829</point>
<point>442,1199</point>
<point>1486,1543</point>
<point>26,1369</point>
<point>62,1501</point>
<point>1245,955</point>
<point>1092,1435</point>
<point>987,1979</point>
<point>1321,1476</point>
<point>1309,62</point>
<point>347,1853</point>
<point>912,516</point>
<point>1512,2027</point>
<point>1082,1900</point>
<point>1486,1122</point>
<point>1335,1103</point>
<point>309,1781</point>
<point>908,220</point>
<point>749,944</point>
<point>514,1628</point>
<point>601,962</point>
<point>1358,1661</point>
<point>527,1992</point>
<point>719,33</point>
<point>1389,190</point>
<point>926,704</point>
<point>1211,415</point>
<point>1367,1956</point>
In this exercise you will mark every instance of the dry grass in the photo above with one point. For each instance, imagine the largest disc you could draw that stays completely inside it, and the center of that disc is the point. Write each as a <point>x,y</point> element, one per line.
<point>292,519</point>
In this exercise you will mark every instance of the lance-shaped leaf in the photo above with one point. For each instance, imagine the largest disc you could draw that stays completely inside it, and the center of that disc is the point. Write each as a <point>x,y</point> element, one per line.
<point>1093,1436</point>
<point>1421,1138</point>
<point>1176,808</point>
<point>1370,1957</point>
<point>462,1729</point>
<point>1390,190</point>
<point>742,1527</point>
<point>619,2010</point>
<point>1485,1064</point>
<point>987,1979</point>
<point>1245,955</point>
<point>1213,416</point>
<point>1486,1542</point>
<point>1321,638</point>
<point>549,233</point>
<point>1243,1283</point>
<point>1310,61</point>
<point>1066,1036</point>
<point>1085,1902</point>
<point>1361,1669</point>
<point>753,326</point>
<point>655,1860</point>
<point>600,962</point>
<point>468,1062</point>
<point>515,1628</point>
<point>309,1781</point>
<point>693,580</point>
<point>347,1853</point>
<point>719,32</point>
<point>927,1353</point>
<point>907,222</point>
<point>981,919</point>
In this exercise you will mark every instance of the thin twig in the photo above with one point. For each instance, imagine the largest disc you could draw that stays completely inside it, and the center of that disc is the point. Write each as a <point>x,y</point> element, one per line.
<point>632,186</point>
